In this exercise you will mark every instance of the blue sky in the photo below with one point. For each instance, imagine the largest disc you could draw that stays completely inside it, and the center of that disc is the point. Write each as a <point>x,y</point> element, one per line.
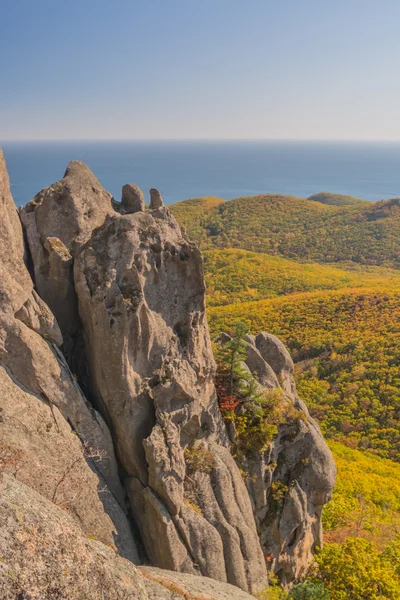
<point>293,69</point>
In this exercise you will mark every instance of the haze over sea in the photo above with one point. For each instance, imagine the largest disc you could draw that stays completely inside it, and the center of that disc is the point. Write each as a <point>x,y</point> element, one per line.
<point>229,169</point>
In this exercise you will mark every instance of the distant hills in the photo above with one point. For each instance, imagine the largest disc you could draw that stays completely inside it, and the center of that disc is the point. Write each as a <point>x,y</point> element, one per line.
<point>335,199</point>
<point>297,228</point>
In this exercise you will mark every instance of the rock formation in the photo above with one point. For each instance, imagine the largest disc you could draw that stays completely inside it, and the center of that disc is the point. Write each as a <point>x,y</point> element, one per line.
<point>57,222</point>
<point>291,480</point>
<point>132,199</point>
<point>156,200</point>
<point>140,291</point>
<point>46,556</point>
<point>46,426</point>
<point>120,294</point>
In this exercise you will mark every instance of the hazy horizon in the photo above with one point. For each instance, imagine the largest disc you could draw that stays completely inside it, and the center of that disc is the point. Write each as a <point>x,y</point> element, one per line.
<point>224,168</point>
<point>194,140</point>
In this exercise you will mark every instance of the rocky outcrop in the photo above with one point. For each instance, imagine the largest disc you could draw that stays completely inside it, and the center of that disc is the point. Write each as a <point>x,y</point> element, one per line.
<point>156,200</point>
<point>127,320</point>
<point>141,300</point>
<point>132,199</point>
<point>172,585</point>
<point>140,290</point>
<point>290,481</point>
<point>47,556</point>
<point>50,438</point>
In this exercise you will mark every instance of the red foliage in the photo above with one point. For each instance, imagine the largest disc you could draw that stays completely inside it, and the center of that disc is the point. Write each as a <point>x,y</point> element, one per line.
<point>226,401</point>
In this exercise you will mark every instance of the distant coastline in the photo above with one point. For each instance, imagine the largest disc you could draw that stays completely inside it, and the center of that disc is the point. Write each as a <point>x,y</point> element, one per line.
<point>226,168</point>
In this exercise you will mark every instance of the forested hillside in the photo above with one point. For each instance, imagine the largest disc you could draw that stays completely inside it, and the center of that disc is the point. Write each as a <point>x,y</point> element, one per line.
<point>346,346</point>
<point>235,275</point>
<point>301,229</point>
<point>366,499</point>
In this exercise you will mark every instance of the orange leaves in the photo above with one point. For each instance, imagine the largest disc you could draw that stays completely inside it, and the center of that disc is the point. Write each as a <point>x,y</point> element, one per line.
<point>226,401</point>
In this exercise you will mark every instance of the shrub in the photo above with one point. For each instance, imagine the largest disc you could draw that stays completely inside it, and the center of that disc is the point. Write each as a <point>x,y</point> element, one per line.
<point>309,591</point>
<point>199,459</point>
<point>255,414</point>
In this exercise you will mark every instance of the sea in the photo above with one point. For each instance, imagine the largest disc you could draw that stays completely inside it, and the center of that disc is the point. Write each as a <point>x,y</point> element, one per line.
<point>227,169</point>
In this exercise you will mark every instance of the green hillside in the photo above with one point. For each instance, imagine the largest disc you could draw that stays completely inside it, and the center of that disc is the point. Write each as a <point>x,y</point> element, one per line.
<point>335,199</point>
<point>346,346</point>
<point>191,214</point>
<point>366,233</point>
<point>235,275</point>
<point>263,260</point>
<point>366,499</point>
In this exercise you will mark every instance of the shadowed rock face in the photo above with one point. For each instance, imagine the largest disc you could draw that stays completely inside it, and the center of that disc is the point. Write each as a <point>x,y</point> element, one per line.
<point>298,462</point>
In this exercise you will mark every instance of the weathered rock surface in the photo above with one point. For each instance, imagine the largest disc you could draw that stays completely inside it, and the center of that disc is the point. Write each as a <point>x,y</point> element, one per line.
<point>46,556</point>
<point>40,401</point>
<point>15,282</point>
<point>140,289</point>
<point>156,200</point>
<point>161,584</point>
<point>38,446</point>
<point>141,301</point>
<point>132,199</point>
<point>57,222</point>
<point>293,478</point>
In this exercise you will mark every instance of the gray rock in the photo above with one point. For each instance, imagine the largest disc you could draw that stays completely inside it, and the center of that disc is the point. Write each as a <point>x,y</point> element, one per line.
<point>57,222</point>
<point>298,462</point>
<point>263,372</point>
<point>138,285</point>
<point>50,459</point>
<point>276,355</point>
<point>132,199</point>
<point>159,582</point>
<point>156,200</point>
<point>41,401</point>
<point>45,554</point>
<point>142,304</point>
<point>36,315</point>
<point>15,282</point>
